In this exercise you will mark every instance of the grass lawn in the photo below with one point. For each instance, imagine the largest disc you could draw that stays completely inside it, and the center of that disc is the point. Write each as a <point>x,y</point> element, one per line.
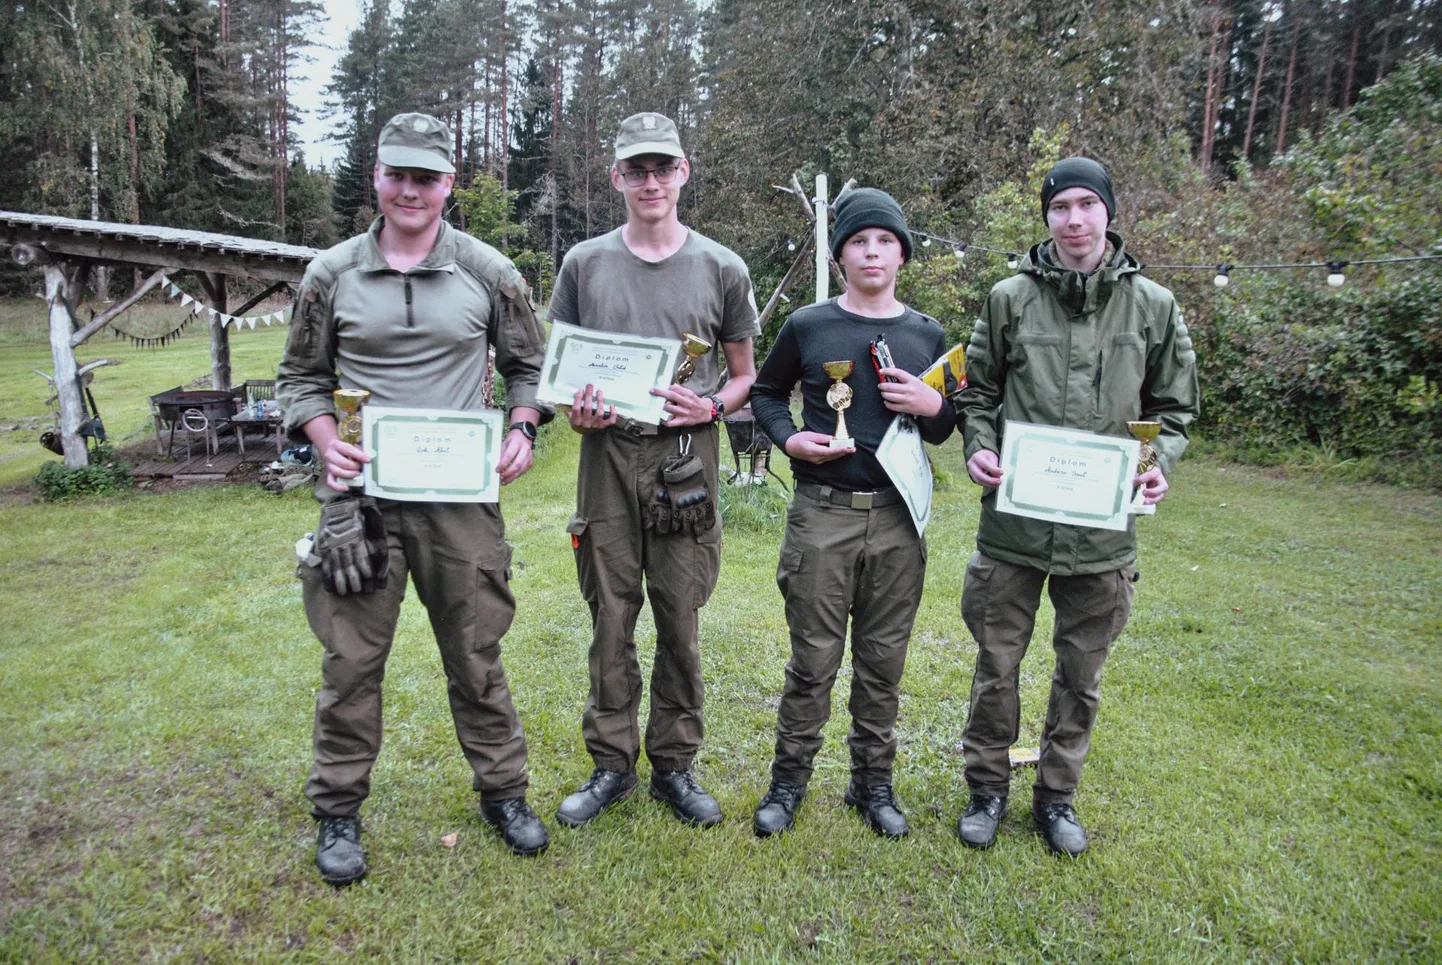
<point>1265,779</point>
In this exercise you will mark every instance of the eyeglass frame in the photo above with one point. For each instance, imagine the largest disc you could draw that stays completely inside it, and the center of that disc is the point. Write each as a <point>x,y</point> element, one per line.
<point>627,174</point>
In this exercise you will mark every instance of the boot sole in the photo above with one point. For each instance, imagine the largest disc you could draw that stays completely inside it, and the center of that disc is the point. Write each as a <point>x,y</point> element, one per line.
<point>573,823</point>
<point>341,882</point>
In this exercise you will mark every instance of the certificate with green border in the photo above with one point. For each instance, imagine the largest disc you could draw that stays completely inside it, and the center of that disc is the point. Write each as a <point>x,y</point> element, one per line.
<point>625,368</point>
<point>433,455</point>
<point>903,457</point>
<point>1066,475</point>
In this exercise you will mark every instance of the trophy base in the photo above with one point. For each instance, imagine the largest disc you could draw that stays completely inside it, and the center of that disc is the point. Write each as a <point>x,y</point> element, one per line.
<point>1139,508</point>
<point>841,443</point>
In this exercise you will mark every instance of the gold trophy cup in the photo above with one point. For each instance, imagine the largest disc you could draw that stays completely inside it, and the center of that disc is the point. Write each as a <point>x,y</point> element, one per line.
<point>838,396</point>
<point>1146,460</point>
<point>695,348</point>
<point>348,404</point>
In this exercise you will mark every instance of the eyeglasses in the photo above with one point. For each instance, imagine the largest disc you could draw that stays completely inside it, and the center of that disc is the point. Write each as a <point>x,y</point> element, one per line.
<point>636,177</point>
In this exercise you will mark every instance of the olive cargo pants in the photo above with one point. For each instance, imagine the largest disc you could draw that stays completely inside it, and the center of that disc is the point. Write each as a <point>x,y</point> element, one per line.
<point>999,602</point>
<point>617,559</point>
<point>459,559</point>
<point>837,562</point>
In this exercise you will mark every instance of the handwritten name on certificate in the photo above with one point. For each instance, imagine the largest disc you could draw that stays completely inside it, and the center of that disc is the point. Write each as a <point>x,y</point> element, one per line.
<point>623,367</point>
<point>1066,475</point>
<point>433,455</point>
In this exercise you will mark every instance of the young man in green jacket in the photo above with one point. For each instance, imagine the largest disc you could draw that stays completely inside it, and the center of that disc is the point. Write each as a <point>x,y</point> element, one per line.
<point>1079,339</point>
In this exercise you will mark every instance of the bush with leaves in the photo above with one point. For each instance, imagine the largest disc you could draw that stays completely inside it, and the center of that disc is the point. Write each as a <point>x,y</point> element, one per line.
<point>106,474</point>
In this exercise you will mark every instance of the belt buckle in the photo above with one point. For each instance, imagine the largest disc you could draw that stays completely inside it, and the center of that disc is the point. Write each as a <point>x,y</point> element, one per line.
<point>861,500</point>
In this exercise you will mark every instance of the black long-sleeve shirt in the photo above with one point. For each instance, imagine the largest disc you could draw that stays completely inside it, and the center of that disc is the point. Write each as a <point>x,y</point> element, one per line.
<point>828,333</point>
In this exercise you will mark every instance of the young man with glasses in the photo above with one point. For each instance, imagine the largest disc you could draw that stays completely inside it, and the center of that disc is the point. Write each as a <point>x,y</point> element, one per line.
<point>652,276</point>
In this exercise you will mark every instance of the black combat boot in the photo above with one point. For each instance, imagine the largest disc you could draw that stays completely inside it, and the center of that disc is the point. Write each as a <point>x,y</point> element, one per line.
<point>522,831</point>
<point>1060,828</point>
<point>777,810</point>
<point>601,790</point>
<point>338,851</point>
<point>980,820</point>
<point>878,806</point>
<point>688,801</point>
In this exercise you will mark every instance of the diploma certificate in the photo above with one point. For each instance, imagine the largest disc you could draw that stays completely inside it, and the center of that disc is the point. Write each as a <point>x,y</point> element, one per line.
<point>433,455</point>
<point>904,459</point>
<point>624,367</point>
<point>1067,476</point>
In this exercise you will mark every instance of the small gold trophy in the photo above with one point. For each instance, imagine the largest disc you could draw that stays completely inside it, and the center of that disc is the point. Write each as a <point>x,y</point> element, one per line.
<point>695,348</point>
<point>838,396</point>
<point>348,404</point>
<point>1146,460</point>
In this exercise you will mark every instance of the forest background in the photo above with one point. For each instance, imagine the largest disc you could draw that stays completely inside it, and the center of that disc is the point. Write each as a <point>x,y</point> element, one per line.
<point>1238,132</point>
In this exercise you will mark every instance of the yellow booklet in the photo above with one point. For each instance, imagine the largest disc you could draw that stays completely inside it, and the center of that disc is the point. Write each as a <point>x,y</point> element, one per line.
<point>947,374</point>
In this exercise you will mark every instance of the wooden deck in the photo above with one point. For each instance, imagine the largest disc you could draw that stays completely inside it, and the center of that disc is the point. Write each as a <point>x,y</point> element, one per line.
<point>259,449</point>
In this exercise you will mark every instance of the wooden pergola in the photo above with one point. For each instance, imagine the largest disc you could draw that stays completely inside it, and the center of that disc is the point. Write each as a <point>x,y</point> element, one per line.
<point>69,250</point>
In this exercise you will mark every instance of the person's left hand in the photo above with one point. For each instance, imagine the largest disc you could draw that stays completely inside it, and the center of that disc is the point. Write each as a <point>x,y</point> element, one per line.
<point>684,407</point>
<point>1154,486</point>
<point>516,456</point>
<point>909,394</point>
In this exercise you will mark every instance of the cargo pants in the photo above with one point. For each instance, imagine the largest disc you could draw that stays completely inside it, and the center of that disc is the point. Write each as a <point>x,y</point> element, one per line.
<point>868,565</point>
<point>999,602</point>
<point>619,564</point>
<point>459,559</point>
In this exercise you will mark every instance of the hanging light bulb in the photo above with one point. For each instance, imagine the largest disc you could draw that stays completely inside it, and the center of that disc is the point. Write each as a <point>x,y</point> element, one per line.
<point>1336,276</point>
<point>960,251</point>
<point>1223,278</point>
<point>790,246</point>
<point>1012,260</point>
<point>926,242</point>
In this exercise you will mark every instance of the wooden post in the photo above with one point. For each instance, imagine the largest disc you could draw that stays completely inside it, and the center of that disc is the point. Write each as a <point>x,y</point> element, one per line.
<point>822,251</point>
<point>67,383</point>
<point>214,284</point>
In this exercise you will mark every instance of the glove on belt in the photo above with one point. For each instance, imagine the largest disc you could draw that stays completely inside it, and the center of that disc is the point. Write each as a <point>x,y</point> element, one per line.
<point>692,508</point>
<point>351,544</point>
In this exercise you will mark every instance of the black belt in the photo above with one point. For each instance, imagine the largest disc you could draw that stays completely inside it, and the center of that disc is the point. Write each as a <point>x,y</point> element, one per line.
<point>872,500</point>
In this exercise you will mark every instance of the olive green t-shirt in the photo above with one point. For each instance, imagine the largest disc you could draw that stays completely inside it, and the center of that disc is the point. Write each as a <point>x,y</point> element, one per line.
<point>703,289</point>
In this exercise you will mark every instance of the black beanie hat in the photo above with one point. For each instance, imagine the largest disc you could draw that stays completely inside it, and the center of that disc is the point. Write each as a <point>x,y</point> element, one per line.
<point>868,208</point>
<point>1078,172</point>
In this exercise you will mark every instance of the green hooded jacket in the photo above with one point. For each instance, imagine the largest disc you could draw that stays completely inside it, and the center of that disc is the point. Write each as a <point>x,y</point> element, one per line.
<point>1083,351</point>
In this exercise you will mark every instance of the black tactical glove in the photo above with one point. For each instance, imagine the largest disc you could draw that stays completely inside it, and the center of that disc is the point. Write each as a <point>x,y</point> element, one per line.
<point>351,544</point>
<point>657,515</point>
<point>692,508</point>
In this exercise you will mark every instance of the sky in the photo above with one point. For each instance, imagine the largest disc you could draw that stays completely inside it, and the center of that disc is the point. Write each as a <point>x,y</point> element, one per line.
<point>308,86</point>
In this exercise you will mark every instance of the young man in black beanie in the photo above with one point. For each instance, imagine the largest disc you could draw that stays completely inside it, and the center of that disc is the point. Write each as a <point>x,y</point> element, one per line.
<point>851,549</point>
<point>1077,305</point>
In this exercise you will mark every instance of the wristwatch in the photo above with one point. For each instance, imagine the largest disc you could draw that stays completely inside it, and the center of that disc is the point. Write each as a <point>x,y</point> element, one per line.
<point>528,429</point>
<point>718,408</point>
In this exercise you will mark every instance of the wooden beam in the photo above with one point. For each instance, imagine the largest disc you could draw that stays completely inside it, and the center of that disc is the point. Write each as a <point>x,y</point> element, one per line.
<point>105,317</point>
<point>786,281</point>
<point>67,380</point>
<point>131,252</point>
<point>214,283</point>
<point>279,286</point>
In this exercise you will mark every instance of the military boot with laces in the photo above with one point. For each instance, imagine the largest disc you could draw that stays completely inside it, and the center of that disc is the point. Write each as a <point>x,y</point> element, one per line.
<point>879,808</point>
<point>520,828</point>
<point>688,801</point>
<point>777,810</point>
<point>1060,828</point>
<point>338,852</point>
<point>601,790</point>
<point>978,823</point>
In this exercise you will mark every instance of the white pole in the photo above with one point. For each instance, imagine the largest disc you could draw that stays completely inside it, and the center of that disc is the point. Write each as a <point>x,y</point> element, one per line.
<point>823,268</point>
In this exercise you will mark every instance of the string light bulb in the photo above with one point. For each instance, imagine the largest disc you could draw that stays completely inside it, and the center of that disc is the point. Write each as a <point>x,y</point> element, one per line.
<point>1336,273</point>
<point>1223,277</point>
<point>926,242</point>
<point>960,251</point>
<point>1012,260</point>
<point>790,246</point>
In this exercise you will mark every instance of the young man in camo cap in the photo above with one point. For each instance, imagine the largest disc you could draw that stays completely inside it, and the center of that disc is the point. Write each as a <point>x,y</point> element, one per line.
<point>652,276</point>
<point>408,312</point>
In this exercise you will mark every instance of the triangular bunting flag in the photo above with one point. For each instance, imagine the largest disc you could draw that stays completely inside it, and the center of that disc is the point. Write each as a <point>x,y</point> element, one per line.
<point>174,288</point>
<point>252,322</point>
<point>185,299</point>
<point>195,307</point>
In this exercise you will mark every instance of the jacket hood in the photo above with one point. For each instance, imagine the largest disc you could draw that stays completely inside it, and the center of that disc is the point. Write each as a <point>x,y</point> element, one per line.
<point>1080,291</point>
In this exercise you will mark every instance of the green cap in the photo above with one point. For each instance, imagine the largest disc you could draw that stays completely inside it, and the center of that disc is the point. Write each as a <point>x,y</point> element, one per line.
<point>648,133</point>
<point>416,141</point>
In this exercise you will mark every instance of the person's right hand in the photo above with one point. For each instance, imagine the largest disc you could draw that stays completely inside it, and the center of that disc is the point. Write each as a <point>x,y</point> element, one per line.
<point>589,411</point>
<point>812,447</point>
<point>984,468</point>
<point>342,461</point>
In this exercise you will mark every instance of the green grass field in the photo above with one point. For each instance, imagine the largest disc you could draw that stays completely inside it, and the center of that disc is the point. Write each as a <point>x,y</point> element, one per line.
<point>1265,780</point>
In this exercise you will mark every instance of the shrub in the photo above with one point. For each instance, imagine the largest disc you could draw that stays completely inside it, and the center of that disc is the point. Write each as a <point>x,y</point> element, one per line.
<point>105,474</point>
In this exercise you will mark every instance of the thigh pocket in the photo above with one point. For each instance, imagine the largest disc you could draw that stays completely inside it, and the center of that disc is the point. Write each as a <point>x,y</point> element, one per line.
<point>975,590</point>
<point>585,565</point>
